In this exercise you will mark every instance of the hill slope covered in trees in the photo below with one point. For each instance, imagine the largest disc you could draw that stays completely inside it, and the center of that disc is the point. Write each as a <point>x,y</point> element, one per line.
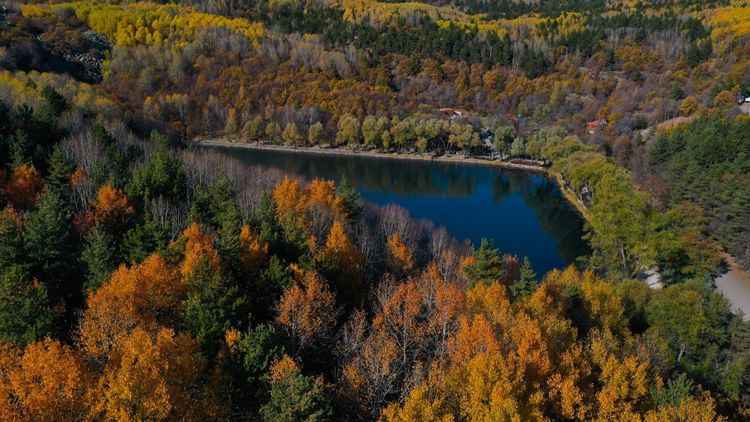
<point>141,278</point>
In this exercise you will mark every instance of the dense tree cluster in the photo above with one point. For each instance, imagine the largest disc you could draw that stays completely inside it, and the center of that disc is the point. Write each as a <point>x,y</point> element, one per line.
<point>566,69</point>
<point>143,279</point>
<point>706,163</point>
<point>140,281</point>
<point>57,42</point>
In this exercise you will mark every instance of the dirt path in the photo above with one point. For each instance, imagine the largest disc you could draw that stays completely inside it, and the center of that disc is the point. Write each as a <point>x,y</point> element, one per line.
<point>735,286</point>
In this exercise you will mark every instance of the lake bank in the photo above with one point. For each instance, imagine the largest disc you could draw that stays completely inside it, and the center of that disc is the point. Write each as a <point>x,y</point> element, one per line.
<point>408,186</point>
<point>524,212</point>
<point>373,154</point>
<point>567,193</point>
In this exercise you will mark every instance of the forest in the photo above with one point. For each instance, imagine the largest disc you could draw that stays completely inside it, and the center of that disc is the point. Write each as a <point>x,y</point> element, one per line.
<point>145,278</point>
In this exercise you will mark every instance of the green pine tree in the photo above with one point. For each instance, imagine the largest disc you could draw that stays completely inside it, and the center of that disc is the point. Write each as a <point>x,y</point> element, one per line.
<point>297,397</point>
<point>144,238</point>
<point>213,305</point>
<point>59,171</point>
<point>489,266</point>
<point>47,244</point>
<point>265,217</point>
<point>55,103</point>
<point>25,315</point>
<point>11,243</point>
<point>162,175</point>
<point>99,257</point>
<point>256,350</point>
<point>352,199</point>
<point>527,281</point>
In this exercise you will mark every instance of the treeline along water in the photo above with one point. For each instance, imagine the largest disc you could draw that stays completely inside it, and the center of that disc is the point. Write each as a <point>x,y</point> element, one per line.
<point>524,213</point>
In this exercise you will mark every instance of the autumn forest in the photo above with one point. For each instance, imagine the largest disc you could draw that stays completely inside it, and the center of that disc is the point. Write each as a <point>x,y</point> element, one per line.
<point>145,277</point>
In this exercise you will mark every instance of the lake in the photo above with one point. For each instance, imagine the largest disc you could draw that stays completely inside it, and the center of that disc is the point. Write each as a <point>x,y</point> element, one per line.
<point>524,213</point>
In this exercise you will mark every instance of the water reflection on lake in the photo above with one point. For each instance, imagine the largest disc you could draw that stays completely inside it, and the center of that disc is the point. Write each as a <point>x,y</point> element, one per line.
<point>524,213</point>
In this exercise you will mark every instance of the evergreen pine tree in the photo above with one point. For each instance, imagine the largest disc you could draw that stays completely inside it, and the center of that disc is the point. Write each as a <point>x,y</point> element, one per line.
<point>99,257</point>
<point>59,171</point>
<point>254,353</point>
<point>489,266</point>
<point>162,175</point>
<point>212,307</point>
<point>265,215</point>
<point>55,103</point>
<point>229,238</point>
<point>527,281</point>
<point>11,242</point>
<point>47,244</point>
<point>352,199</point>
<point>144,239</point>
<point>296,397</point>
<point>18,149</point>
<point>25,315</point>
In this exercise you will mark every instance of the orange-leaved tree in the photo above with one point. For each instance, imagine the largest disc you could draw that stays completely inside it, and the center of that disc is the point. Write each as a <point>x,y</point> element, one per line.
<point>112,208</point>
<point>23,186</point>
<point>156,376</point>
<point>399,258</point>
<point>47,381</point>
<point>339,252</point>
<point>141,295</point>
<point>199,249</point>
<point>253,251</point>
<point>307,311</point>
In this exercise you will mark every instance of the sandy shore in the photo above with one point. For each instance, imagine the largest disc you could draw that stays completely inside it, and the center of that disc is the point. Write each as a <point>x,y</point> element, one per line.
<point>372,154</point>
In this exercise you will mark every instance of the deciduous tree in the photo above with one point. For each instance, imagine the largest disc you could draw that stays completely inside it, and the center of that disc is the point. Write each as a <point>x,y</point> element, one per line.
<point>155,376</point>
<point>112,209</point>
<point>48,382</point>
<point>23,187</point>
<point>399,259</point>
<point>141,295</point>
<point>307,311</point>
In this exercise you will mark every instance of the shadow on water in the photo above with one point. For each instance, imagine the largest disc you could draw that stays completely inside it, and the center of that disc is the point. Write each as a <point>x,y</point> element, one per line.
<point>524,213</point>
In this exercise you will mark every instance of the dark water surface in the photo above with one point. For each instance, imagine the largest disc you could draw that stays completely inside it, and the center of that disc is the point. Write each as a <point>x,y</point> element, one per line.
<point>524,213</point>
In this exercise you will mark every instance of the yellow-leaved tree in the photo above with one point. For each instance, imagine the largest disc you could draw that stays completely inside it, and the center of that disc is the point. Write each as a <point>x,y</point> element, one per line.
<point>155,376</point>
<point>141,295</point>
<point>48,381</point>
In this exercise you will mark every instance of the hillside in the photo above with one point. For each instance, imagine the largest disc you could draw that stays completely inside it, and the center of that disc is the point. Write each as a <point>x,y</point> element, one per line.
<point>144,278</point>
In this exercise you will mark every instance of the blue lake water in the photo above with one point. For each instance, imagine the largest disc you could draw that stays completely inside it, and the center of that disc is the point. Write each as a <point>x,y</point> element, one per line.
<point>524,213</point>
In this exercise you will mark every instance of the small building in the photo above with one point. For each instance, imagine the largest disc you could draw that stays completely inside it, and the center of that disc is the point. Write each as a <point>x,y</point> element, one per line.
<point>587,196</point>
<point>653,279</point>
<point>452,113</point>
<point>488,137</point>
<point>595,125</point>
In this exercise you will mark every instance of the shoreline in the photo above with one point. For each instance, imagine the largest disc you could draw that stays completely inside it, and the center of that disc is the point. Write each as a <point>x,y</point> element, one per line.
<point>371,154</point>
<point>567,194</point>
<point>734,284</point>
